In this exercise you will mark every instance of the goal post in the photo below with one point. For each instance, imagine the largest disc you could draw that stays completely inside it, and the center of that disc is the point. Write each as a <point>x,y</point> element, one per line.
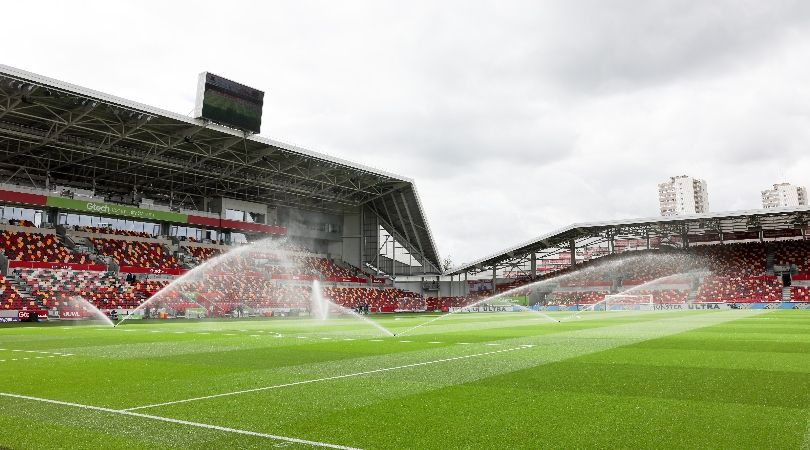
<point>629,302</point>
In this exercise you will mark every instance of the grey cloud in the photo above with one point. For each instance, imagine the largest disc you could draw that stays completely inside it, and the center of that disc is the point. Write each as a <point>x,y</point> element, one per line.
<point>514,118</point>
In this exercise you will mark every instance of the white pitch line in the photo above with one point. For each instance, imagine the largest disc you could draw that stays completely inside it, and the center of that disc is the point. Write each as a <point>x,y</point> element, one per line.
<point>33,351</point>
<point>317,380</point>
<point>180,422</point>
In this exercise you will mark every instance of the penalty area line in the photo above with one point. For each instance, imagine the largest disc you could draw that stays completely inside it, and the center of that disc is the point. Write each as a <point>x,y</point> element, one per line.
<point>336,377</point>
<point>179,422</point>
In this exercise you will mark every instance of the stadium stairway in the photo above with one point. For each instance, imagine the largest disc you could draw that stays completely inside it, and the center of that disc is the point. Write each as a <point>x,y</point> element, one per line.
<point>693,293</point>
<point>79,245</point>
<point>786,294</point>
<point>21,286</point>
<point>770,258</point>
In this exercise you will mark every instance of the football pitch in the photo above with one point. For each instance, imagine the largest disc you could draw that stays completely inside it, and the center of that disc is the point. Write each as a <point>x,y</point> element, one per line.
<point>686,379</point>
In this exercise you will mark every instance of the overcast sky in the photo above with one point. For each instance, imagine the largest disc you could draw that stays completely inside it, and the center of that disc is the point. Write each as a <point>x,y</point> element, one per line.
<point>514,118</point>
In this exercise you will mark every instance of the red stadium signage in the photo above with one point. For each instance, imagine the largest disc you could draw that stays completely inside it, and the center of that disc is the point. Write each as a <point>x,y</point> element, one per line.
<point>376,280</point>
<point>204,221</point>
<point>41,314</point>
<point>50,265</point>
<point>152,270</point>
<point>22,198</point>
<point>73,314</point>
<point>216,222</point>
<point>346,280</point>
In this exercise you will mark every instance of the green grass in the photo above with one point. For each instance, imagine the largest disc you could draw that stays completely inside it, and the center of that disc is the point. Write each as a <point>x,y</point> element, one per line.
<point>690,379</point>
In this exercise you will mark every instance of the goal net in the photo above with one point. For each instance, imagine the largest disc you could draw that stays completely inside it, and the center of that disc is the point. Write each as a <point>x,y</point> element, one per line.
<point>629,302</point>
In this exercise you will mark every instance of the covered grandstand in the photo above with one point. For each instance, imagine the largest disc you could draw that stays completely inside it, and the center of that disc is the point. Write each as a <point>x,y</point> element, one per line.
<point>757,256</point>
<point>562,246</point>
<point>92,183</point>
<point>56,134</point>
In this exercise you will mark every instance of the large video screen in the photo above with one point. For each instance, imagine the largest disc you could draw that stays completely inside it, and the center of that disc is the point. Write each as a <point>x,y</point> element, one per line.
<point>229,103</point>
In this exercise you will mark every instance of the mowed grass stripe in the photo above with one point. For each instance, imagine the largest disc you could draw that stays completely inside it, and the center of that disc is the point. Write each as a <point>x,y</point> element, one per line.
<point>317,410</point>
<point>332,378</point>
<point>575,404</point>
<point>289,407</point>
<point>198,365</point>
<point>147,378</point>
<point>186,423</point>
<point>495,416</point>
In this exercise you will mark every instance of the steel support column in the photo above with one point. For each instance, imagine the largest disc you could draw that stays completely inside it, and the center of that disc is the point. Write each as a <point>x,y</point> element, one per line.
<point>572,246</point>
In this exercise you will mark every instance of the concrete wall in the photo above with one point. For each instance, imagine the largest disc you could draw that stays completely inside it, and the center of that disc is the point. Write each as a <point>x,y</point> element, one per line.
<point>351,250</point>
<point>220,204</point>
<point>309,224</point>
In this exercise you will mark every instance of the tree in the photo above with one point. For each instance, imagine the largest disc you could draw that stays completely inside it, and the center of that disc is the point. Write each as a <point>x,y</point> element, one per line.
<point>447,263</point>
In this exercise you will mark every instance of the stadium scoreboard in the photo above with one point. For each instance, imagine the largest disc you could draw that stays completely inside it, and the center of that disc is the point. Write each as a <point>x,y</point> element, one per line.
<point>229,103</point>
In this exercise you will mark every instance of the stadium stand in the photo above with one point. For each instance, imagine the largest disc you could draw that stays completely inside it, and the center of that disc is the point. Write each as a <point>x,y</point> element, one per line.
<point>800,293</point>
<point>280,278</point>
<point>202,254</point>
<point>578,298</point>
<point>11,298</point>
<point>104,290</point>
<point>380,300</point>
<point>327,268</point>
<point>740,289</point>
<point>665,296</point>
<point>734,260</point>
<point>135,253</point>
<point>113,231</point>
<point>793,252</point>
<point>30,246</point>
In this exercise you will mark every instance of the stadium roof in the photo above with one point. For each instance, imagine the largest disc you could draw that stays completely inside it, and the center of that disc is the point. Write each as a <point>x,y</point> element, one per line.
<point>690,225</point>
<point>58,133</point>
